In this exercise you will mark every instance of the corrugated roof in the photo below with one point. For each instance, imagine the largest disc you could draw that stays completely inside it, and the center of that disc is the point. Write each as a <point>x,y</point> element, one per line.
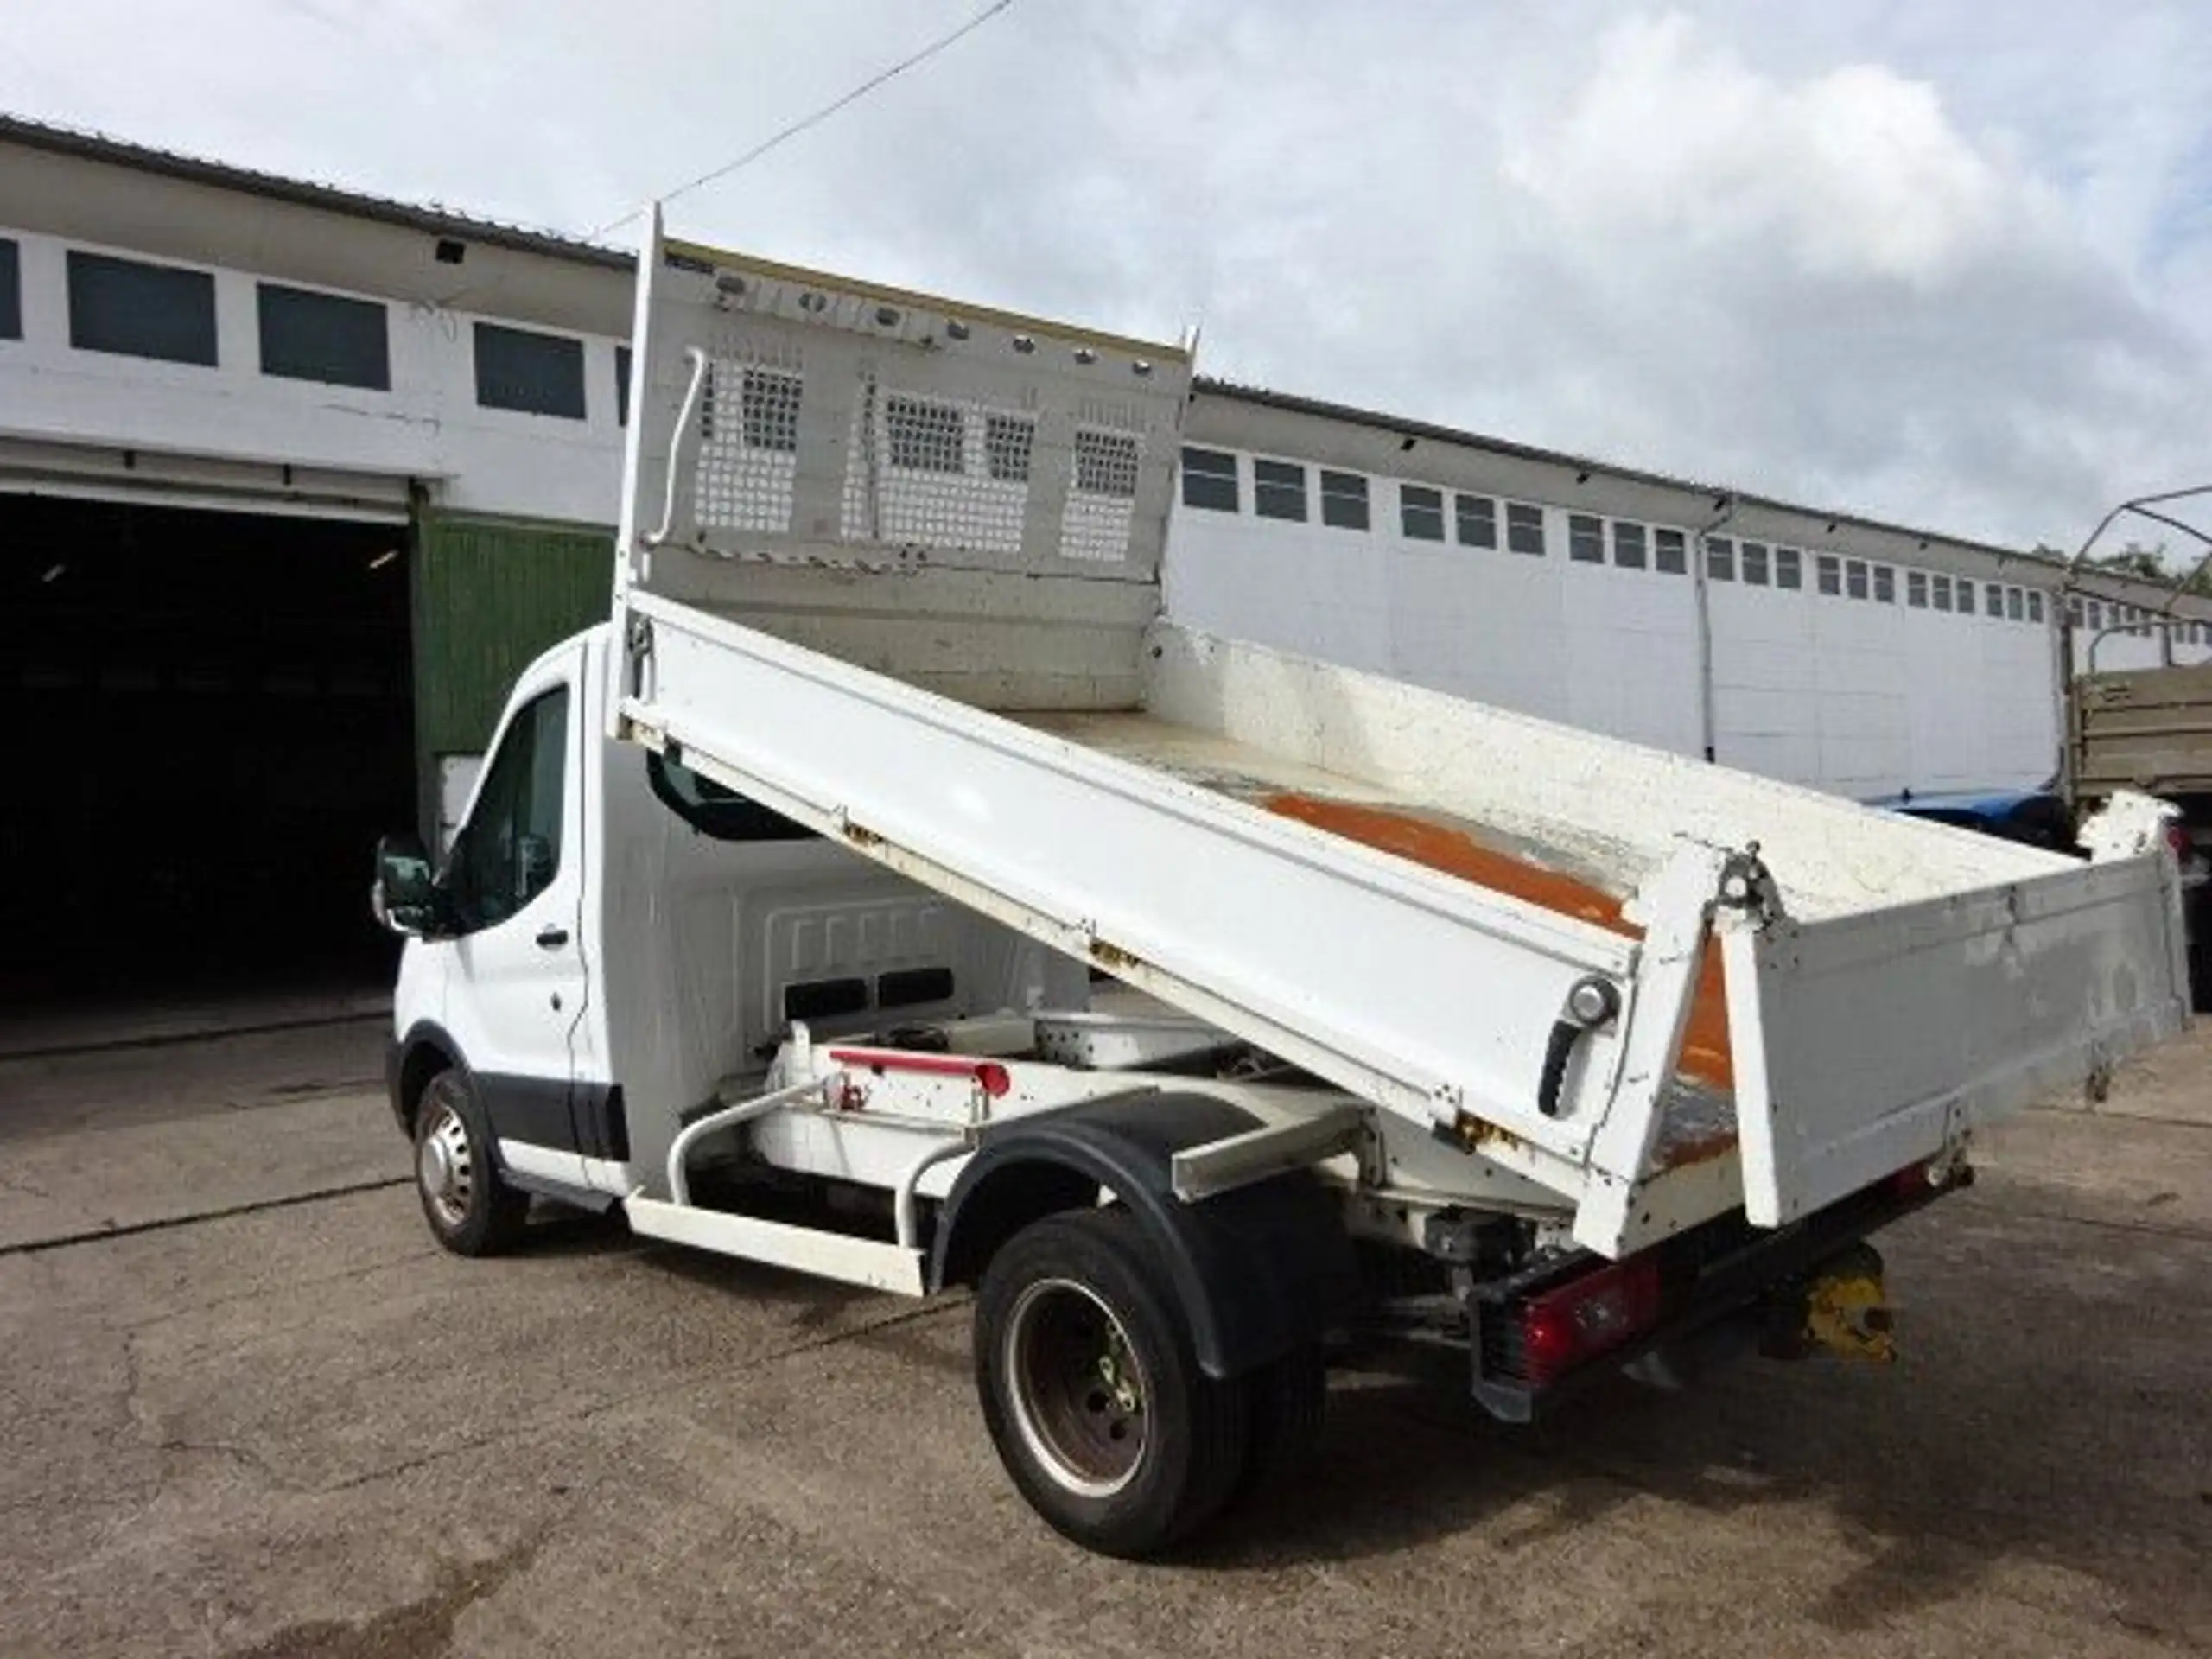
<point>434,220</point>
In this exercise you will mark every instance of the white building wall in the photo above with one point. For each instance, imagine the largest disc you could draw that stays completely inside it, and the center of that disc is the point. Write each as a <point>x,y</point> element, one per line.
<point>429,426</point>
<point>1849,692</point>
<point>2128,637</point>
<point>1612,650</point>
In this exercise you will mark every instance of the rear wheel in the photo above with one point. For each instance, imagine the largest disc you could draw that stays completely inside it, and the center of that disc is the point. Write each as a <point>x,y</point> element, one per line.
<point>1091,1391</point>
<point>470,1211</point>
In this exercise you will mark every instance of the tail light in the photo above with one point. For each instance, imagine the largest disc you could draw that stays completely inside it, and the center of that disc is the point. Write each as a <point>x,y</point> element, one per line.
<point>1587,1317</point>
<point>2177,840</point>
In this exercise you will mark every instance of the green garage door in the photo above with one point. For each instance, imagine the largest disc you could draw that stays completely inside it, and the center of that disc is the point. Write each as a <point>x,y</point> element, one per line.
<point>489,595</point>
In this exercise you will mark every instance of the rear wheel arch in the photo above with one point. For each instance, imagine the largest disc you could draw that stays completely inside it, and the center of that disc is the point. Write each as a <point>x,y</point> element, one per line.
<point>1258,1271</point>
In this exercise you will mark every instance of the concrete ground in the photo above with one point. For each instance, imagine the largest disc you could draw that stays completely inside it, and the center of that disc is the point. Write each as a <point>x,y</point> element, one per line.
<point>250,1410</point>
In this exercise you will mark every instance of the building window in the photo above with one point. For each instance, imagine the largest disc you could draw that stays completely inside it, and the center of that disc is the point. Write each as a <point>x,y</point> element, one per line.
<point>1008,441</point>
<point>1854,578</point>
<point>2097,614</point>
<point>1629,549</point>
<point>2074,615</point>
<point>1474,520</point>
<point>1788,568</point>
<point>11,291</point>
<point>1966,596</point>
<point>1420,512</point>
<point>1939,591</point>
<point>537,374</point>
<point>1885,585</point>
<point>1916,589</point>
<point>1344,500</point>
<point>1477,517</point>
<point>135,309</point>
<point>310,336</point>
<point>1995,595</point>
<point>767,408</point>
<point>1209,480</point>
<point>1720,559</point>
<point>1524,530</point>
<point>621,385</point>
<point>922,437</point>
<point>1669,555</point>
<point>1585,538</point>
<point>2016,604</point>
<point>1755,563</point>
<point>1105,464</point>
<point>2034,605</point>
<point>1827,575</point>
<point>1279,490</point>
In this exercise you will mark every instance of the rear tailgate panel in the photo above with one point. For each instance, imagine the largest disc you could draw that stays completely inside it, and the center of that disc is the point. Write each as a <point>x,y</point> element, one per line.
<point>1863,1042</point>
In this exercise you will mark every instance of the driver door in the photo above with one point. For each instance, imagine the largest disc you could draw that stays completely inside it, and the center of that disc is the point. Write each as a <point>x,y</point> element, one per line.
<point>515,879</point>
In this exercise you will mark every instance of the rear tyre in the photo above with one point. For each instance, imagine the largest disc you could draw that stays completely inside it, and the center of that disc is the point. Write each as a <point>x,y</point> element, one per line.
<point>1092,1389</point>
<point>470,1211</point>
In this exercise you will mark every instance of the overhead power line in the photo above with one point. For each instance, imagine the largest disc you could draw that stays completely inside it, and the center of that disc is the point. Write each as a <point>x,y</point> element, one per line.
<point>783,135</point>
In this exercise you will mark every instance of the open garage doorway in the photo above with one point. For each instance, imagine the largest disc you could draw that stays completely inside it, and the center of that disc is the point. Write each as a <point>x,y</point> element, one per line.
<point>208,722</point>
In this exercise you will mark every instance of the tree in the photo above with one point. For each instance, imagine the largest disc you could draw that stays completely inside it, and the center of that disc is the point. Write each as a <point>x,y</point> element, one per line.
<point>2155,564</point>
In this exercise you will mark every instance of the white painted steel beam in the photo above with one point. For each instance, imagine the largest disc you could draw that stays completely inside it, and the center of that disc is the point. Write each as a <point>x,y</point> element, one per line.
<point>805,1250</point>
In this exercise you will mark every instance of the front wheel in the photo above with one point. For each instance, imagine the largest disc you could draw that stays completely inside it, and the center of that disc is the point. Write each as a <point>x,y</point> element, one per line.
<point>470,1211</point>
<point>1091,1391</point>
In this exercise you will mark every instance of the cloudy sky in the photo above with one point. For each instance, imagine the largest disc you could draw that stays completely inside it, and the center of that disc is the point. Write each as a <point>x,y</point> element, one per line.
<point>1950,262</point>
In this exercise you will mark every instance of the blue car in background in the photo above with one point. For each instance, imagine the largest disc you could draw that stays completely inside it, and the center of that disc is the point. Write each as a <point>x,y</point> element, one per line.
<point>2038,817</point>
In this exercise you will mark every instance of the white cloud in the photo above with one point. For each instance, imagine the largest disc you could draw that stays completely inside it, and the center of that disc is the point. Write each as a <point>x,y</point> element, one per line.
<point>1854,173</point>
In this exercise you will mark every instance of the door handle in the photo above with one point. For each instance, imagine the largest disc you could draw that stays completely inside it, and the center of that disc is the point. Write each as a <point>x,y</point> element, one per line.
<point>552,937</point>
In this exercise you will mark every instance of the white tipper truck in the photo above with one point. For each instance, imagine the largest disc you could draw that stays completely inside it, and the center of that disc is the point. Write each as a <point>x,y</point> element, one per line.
<point>775,921</point>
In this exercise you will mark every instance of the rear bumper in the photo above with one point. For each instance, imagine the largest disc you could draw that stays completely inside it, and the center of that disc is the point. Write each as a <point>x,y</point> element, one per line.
<point>1724,1284</point>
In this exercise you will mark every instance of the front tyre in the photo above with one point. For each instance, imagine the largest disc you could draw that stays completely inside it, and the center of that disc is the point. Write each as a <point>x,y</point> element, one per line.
<point>470,1211</point>
<point>1091,1390</point>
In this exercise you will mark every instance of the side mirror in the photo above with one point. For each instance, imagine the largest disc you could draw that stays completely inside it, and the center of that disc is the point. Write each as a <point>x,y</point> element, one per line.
<point>406,897</point>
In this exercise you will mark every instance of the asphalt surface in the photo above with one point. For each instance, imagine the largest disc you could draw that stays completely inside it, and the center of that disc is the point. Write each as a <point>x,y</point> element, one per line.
<point>249,1409</point>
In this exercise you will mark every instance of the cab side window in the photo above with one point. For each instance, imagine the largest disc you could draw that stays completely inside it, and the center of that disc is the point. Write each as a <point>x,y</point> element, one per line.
<point>510,849</point>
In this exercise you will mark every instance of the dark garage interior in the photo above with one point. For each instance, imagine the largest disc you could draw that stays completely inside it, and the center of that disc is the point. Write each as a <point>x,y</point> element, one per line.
<point>209,721</point>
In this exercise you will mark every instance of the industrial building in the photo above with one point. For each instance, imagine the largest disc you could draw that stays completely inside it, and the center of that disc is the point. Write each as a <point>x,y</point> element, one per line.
<point>294,480</point>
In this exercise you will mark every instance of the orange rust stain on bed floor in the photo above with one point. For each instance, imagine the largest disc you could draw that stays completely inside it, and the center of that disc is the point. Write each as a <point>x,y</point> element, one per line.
<point>1704,1045</point>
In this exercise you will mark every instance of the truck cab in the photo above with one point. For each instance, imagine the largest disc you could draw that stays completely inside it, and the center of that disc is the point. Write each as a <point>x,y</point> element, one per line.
<point>609,931</point>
